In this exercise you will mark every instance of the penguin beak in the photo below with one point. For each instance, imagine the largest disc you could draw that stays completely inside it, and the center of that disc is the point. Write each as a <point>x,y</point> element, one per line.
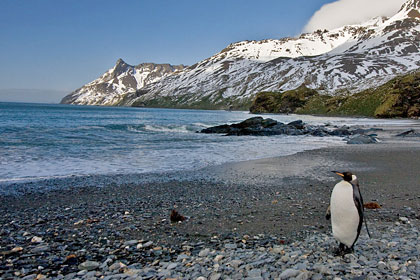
<point>338,173</point>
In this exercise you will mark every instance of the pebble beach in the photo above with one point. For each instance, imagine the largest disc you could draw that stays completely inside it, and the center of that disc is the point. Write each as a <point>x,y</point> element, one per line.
<point>261,219</point>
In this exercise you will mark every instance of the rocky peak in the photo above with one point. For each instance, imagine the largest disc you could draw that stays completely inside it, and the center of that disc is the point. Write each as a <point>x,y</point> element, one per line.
<point>410,6</point>
<point>120,61</point>
<point>120,67</point>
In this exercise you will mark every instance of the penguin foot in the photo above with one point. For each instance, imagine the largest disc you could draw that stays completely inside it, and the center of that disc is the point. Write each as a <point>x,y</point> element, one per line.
<point>343,250</point>
<point>338,252</point>
<point>348,250</point>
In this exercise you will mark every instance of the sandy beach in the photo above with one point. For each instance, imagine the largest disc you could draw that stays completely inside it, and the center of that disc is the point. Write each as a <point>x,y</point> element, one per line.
<point>281,200</point>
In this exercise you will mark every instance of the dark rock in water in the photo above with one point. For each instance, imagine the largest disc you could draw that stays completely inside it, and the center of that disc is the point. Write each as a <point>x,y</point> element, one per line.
<point>251,122</point>
<point>258,126</point>
<point>297,124</point>
<point>342,131</point>
<point>319,132</point>
<point>270,123</point>
<point>217,129</point>
<point>362,139</point>
<point>409,133</point>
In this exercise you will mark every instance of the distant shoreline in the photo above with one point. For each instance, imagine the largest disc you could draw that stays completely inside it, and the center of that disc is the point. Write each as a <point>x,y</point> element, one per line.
<point>204,109</point>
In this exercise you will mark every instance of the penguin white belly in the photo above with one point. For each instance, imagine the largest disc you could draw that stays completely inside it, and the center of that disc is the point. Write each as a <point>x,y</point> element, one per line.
<point>344,215</point>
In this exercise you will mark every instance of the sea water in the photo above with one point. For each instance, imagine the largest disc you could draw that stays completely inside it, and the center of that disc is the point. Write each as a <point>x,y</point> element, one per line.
<point>51,140</point>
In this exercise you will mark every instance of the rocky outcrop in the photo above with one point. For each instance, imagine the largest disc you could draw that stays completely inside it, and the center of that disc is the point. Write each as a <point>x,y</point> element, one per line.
<point>258,126</point>
<point>409,133</point>
<point>362,139</point>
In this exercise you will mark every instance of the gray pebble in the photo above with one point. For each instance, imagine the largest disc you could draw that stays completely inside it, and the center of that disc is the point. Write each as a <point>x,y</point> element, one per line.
<point>231,246</point>
<point>204,253</point>
<point>88,265</point>
<point>289,273</point>
<point>172,266</point>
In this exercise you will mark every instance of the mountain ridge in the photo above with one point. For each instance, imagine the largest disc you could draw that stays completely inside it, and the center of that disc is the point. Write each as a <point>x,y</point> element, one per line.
<point>347,59</point>
<point>110,88</point>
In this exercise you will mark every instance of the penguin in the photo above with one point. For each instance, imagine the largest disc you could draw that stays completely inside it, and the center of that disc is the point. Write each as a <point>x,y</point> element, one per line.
<point>346,212</point>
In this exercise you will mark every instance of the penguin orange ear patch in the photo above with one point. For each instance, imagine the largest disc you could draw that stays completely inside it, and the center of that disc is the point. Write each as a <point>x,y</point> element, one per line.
<point>372,205</point>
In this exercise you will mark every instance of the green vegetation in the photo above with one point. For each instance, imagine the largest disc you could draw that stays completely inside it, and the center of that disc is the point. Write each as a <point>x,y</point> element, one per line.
<point>287,102</point>
<point>400,97</point>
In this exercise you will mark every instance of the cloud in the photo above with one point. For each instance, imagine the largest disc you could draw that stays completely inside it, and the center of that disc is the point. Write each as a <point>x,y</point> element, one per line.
<point>344,12</point>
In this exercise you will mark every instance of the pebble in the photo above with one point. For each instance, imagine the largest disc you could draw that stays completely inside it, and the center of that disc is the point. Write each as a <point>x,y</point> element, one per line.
<point>277,250</point>
<point>215,276</point>
<point>381,265</point>
<point>218,258</point>
<point>131,242</point>
<point>36,239</point>
<point>88,265</point>
<point>254,273</point>
<point>404,220</point>
<point>236,263</point>
<point>231,246</point>
<point>182,257</point>
<point>289,273</point>
<point>116,265</point>
<point>204,253</point>
<point>40,249</point>
<point>172,266</point>
<point>304,275</point>
<point>145,245</point>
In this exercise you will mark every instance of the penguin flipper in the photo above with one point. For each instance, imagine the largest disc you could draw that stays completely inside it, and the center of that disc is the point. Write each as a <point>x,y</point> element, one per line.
<point>367,229</point>
<point>358,201</point>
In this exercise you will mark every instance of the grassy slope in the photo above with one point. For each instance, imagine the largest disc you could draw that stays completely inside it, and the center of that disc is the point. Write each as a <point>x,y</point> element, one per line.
<point>399,97</point>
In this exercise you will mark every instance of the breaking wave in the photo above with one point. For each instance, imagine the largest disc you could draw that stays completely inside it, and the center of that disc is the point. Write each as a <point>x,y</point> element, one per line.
<point>145,128</point>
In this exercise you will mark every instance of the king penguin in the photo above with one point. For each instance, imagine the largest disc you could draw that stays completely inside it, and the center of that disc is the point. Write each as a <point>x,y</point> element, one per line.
<point>346,210</point>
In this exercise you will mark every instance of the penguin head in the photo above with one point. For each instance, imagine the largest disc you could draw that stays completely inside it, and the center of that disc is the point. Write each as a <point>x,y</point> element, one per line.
<point>347,176</point>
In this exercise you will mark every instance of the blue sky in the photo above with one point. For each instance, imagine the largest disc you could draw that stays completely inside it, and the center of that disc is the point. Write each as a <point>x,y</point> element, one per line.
<point>60,45</point>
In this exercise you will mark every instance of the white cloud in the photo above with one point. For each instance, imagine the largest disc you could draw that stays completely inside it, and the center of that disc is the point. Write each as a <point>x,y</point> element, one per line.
<point>344,12</point>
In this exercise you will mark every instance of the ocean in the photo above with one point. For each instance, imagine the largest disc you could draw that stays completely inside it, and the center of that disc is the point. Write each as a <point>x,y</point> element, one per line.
<point>39,141</point>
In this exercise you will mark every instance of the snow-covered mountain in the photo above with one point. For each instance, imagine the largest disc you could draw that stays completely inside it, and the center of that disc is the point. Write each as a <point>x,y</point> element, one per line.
<point>346,59</point>
<point>111,87</point>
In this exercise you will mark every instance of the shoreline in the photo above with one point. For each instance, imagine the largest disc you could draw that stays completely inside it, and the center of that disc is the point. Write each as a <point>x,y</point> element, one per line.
<point>18,186</point>
<point>314,142</point>
<point>269,202</point>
